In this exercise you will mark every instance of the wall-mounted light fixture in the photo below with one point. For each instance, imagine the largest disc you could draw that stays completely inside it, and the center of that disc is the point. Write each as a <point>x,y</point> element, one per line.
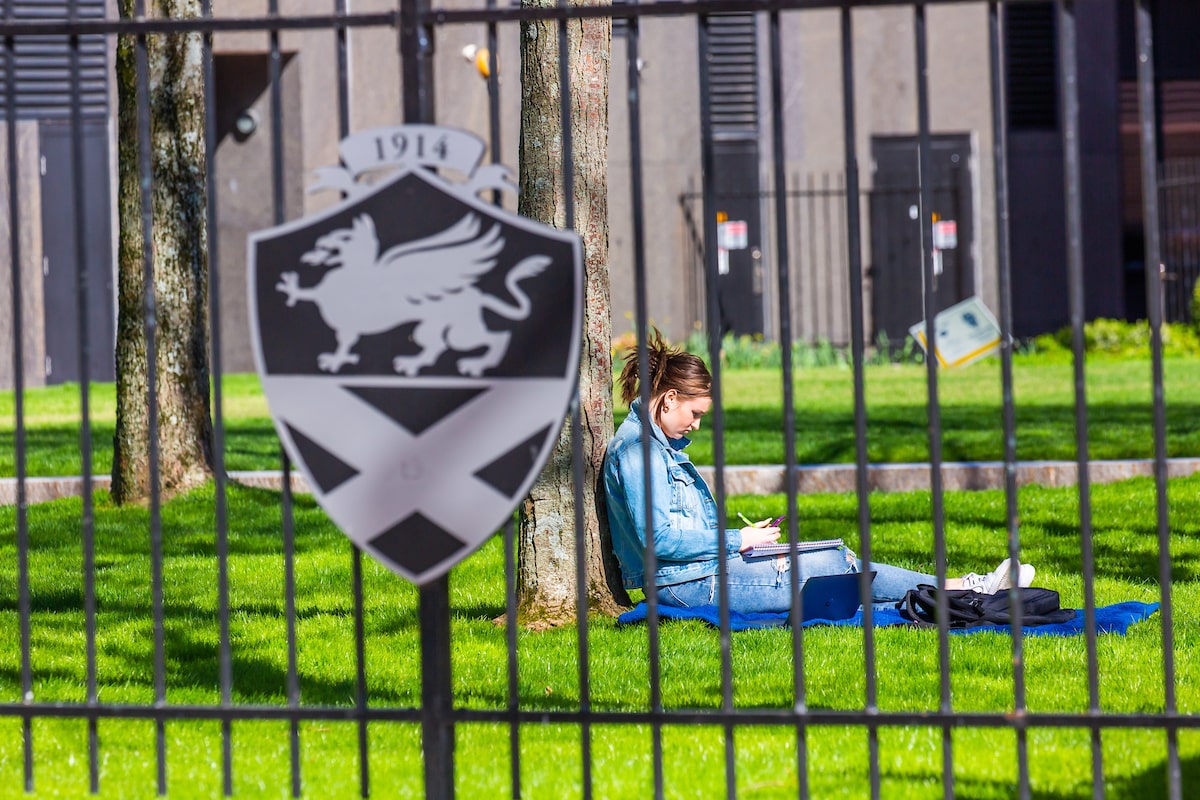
<point>245,124</point>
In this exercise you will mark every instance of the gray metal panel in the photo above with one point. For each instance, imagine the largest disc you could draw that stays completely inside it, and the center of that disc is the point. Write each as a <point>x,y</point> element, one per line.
<point>61,278</point>
<point>898,284</point>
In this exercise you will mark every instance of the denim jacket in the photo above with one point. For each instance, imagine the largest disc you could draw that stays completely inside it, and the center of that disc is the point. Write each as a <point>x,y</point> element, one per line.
<point>684,512</point>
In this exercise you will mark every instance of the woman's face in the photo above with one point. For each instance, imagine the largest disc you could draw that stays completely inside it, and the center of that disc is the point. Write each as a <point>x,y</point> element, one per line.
<point>679,416</point>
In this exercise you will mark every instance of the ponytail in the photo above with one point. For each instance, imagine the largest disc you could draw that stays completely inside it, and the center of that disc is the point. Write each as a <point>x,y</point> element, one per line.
<point>670,368</point>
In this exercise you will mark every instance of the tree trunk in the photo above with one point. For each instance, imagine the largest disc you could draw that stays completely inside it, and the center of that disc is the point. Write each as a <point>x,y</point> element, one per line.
<point>546,546</point>
<point>180,263</point>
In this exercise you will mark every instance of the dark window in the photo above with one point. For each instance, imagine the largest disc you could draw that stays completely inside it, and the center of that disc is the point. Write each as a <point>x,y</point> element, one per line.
<point>733,75</point>
<point>1176,28</point>
<point>1031,54</point>
<point>44,82</point>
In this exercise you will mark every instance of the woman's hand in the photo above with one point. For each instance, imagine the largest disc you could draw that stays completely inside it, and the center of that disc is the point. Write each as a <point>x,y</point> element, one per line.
<point>759,533</point>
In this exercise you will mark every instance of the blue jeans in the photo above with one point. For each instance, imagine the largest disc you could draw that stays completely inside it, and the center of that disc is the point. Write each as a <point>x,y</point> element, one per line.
<point>765,584</point>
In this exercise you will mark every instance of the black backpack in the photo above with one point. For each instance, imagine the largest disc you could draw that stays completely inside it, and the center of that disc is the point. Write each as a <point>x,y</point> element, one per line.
<point>968,608</point>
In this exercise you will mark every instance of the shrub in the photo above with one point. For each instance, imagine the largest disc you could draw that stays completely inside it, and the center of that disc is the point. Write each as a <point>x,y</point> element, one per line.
<point>755,352</point>
<point>1108,338</point>
<point>1117,338</point>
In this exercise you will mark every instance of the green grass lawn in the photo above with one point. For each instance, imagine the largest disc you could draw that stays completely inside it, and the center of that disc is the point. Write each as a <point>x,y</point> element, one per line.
<point>1119,397</point>
<point>1130,667</point>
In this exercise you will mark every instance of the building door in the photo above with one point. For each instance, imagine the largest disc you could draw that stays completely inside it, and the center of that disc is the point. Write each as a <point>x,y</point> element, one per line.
<point>60,229</point>
<point>739,231</point>
<point>896,269</point>
<point>732,65</point>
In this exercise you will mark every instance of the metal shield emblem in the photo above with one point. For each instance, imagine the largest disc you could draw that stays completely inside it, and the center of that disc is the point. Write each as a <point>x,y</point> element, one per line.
<point>417,345</point>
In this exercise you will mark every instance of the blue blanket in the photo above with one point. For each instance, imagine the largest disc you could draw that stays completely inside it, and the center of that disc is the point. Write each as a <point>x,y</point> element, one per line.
<point>1109,619</point>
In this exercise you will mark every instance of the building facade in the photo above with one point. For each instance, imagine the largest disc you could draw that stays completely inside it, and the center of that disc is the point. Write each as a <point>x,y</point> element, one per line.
<point>264,166</point>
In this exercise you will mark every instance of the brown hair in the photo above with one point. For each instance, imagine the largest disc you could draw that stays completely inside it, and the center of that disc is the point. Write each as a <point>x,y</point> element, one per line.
<point>670,368</point>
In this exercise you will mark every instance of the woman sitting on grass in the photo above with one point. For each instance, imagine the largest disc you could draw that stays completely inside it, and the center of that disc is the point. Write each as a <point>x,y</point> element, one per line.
<point>685,514</point>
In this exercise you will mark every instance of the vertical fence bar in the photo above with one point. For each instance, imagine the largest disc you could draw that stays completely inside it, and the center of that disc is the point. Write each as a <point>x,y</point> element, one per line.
<point>1172,260</point>
<point>493,89</point>
<point>275,72</point>
<point>862,486</point>
<point>361,698</point>
<point>437,725</point>
<point>1189,251</point>
<point>1150,224</point>
<point>641,317</point>
<point>831,285</point>
<point>1069,92</point>
<point>437,697</point>
<point>224,645</point>
<point>85,351</point>
<point>1008,411</point>
<point>18,353</point>
<point>146,171</point>
<point>510,632</point>
<point>840,243</point>
<point>797,224</point>
<point>796,615</point>
<point>814,262</point>
<point>924,151</point>
<point>568,173</point>
<point>708,168</point>
<point>289,590</point>
<point>581,598</point>
<point>510,533</point>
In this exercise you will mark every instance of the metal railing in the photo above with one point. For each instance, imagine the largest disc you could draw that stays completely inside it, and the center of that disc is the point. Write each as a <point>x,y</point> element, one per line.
<point>437,713</point>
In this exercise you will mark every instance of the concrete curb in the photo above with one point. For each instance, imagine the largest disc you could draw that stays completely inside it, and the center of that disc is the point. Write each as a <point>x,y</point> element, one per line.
<point>41,490</point>
<point>760,479</point>
<point>956,476</point>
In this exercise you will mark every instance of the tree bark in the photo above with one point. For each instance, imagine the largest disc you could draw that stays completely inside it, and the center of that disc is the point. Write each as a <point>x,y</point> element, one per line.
<point>547,587</point>
<point>180,264</point>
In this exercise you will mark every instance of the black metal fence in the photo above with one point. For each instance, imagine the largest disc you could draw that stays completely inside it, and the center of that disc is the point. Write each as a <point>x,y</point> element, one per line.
<point>1180,186</point>
<point>438,713</point>
<point>817,218</point>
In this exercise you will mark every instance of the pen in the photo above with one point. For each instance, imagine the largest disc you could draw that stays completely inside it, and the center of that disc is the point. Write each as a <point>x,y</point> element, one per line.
<point>774,524</point>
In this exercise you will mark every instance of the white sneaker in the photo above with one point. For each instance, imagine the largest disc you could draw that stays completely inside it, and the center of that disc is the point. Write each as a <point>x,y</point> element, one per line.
<point>998,580</point>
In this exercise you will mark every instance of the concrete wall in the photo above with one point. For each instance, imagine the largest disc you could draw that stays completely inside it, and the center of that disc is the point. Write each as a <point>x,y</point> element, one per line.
<point>885,105</point>
<point>1038,205</point>
<point>670,150</point>
<point>670,129</point>
<point>885,94</point>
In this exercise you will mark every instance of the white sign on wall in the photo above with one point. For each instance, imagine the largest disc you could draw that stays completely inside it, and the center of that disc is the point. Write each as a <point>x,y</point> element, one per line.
<point>733,235</point>
<point>945,234</point>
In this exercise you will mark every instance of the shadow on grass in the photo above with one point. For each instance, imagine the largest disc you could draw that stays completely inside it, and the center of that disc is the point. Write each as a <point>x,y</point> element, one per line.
<point>897,431</point>
<point>1152,782</point>
<point>249,445</point>
<point>1125,540</point>
<point>970,432</point>
<point>194,662</point>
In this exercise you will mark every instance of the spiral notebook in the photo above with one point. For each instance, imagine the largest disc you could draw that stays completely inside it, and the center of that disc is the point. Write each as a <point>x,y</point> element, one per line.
<point>782,548</point>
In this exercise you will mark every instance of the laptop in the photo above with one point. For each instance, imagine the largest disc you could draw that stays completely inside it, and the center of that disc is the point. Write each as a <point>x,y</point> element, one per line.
<point>830,596</point>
